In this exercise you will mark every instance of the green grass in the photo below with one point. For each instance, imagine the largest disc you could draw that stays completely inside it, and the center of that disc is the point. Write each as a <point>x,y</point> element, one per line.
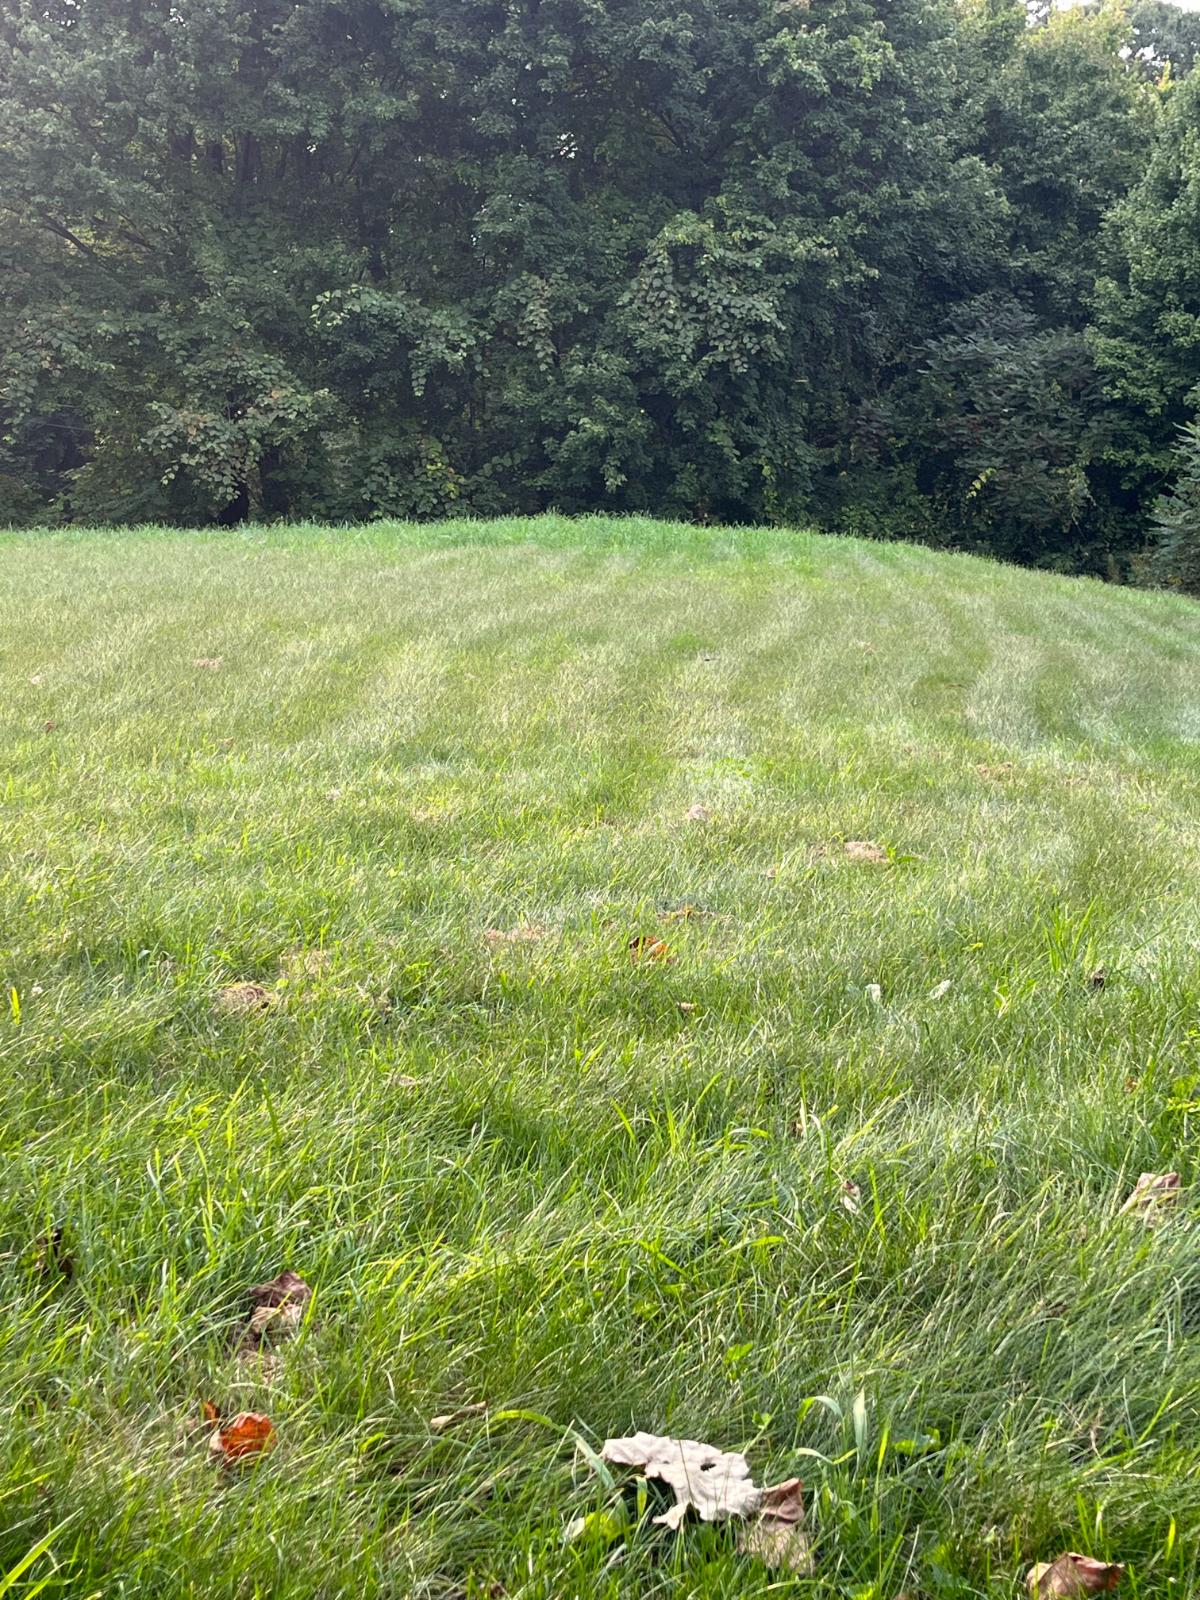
<point>519,1173</point>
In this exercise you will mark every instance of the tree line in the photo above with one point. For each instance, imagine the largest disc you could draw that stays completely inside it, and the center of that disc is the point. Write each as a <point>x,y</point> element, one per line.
<point>903,268</point>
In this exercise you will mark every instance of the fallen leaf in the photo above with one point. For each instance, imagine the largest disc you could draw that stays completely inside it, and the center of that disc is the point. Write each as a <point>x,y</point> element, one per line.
<point>1097,978</point>
<point>209,1412</point>
<point>874,993</point>
<point>687,1007</point>
<point>941,990</point>
<point>698,814</point>
<point>209,663</point>
<point>240,999</point>
<point>524,933</point>
<point>716,1483</point>
<point>864,850</point>
<point>49,727</point>
<point>1131,1083</point>
<point>851,1197</point>
<point>1152,1194</point>
<point>778,1536</point>
<point>36,679</point>
<point>440,1424</point>
<point>1071,1575</point>
<point>278,1307</point>
<point>997,773</point>
<point>248,1434</point>
<point>648,947</point>
<point>401,1080</point>
<point>51,1258</point>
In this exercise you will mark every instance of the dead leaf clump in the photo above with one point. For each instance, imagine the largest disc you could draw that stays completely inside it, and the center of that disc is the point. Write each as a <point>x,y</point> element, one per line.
<point>1072,1575</point>
<point>244,999</point>
<point>1153,1195</point>
<point>278,1305</point>
<point>208,663</point>
<point>698,814</point>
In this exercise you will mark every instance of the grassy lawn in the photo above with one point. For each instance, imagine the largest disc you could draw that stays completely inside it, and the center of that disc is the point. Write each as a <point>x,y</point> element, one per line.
<point>425,786</point>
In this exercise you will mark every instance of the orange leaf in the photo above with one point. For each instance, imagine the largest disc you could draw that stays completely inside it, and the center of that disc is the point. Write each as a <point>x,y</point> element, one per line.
<point>247,1434</point>
<point>209,1412</point>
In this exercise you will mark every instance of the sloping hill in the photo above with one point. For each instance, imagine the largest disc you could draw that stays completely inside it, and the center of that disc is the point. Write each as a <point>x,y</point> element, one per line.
<point>865,1137</point>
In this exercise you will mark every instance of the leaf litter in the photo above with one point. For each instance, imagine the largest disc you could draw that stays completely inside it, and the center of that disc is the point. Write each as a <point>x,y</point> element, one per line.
<point>717,1486</point>
<point>1072,1575</point>
<point>278,1306</point>
<point>1153,1195</point>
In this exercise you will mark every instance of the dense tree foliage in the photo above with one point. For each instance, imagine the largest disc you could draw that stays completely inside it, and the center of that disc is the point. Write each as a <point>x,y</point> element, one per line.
<point>812,260</point>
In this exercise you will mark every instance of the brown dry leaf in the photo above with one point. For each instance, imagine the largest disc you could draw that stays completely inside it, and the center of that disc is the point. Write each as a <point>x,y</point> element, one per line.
<point>698,814</point>
<point>778,1536</point>
<point>852,1197</point>
<point>523,933</point>
<point>864,850</point>
<point>49,727</point>
<point>1153,1194</point>
<point>241,999</point>
<point>278,1307</point>
<point>687,1007</point>
<point>1072,1575</point>
<point>51,1258</point>
<point>998,772</point>
<point>209,1413</point>
<point>209,663</point>
<point>716,1483</point>
<point>648,947</point>
<point>241,1438</point>
<point>440,1424</point>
